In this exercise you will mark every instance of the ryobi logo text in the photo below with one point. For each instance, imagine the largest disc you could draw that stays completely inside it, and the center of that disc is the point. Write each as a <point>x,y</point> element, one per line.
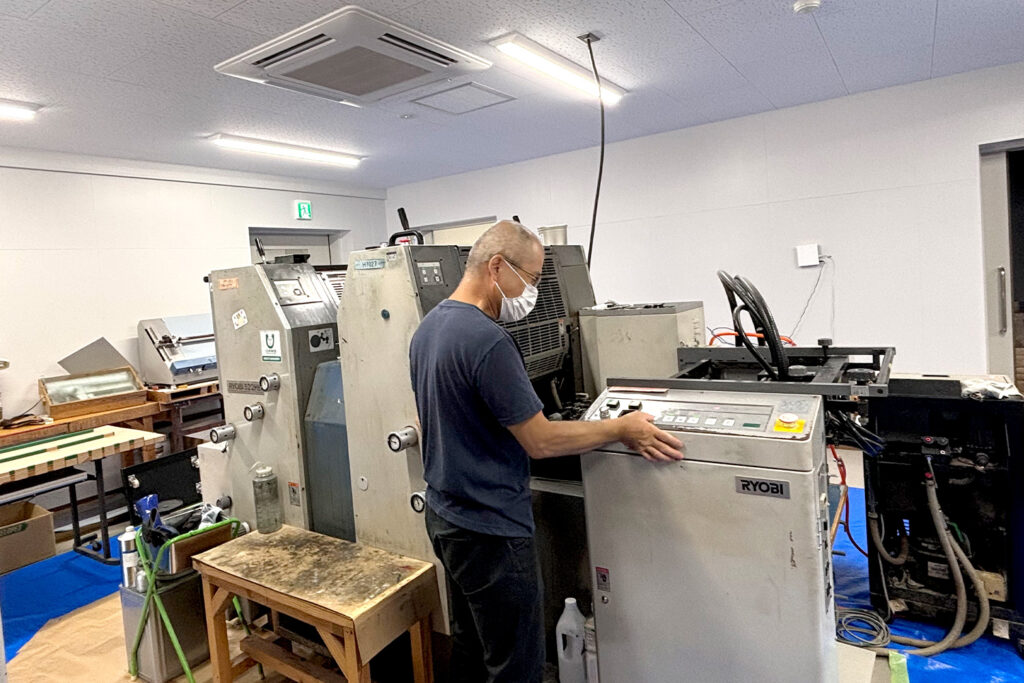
<point>762,487</point>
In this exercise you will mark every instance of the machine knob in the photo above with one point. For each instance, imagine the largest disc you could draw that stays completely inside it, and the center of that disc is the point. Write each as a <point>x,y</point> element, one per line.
<point>418,501</point>
<point>254,411</point>
<point>605,413</point>
<point>222,433</point>
<point>402,439</point>
<point>271,382</point>
<point>861,376</point>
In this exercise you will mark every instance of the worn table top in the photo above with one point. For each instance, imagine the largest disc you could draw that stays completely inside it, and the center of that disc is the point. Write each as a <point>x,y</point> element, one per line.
<point>347,578</point>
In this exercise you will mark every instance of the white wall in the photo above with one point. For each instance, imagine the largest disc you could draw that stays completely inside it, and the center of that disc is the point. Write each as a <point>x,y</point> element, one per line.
<point>887,182</point>
<point>90,246</point>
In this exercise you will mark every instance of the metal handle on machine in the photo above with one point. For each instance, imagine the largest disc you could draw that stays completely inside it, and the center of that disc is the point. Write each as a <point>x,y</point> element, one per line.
<point>271,382</point>
<point>254,411</point>
<point>1003,322</point>
<point>222,433</point>
<point>406,233</point>
<point>404,438</point>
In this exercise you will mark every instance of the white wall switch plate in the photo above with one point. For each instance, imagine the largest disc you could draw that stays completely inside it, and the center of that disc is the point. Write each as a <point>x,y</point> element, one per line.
<point>808,255</point>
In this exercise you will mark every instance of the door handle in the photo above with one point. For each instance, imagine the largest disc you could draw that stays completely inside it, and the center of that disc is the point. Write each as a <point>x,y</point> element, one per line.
<point>1003,322</point>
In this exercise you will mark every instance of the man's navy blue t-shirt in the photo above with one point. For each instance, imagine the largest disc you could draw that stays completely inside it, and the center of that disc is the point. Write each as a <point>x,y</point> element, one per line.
<point>470,384</point>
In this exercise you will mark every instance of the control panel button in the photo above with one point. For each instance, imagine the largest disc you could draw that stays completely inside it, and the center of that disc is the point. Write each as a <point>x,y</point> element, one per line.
<point>728,422</point>
<point>635,405</point>
<point>693,419</point>
<point>711,421</point>
<point>612,404</point>
<point>788,419</point>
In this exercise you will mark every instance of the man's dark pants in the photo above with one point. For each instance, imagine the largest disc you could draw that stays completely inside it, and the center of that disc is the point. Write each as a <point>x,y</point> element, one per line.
<point>496,612</point>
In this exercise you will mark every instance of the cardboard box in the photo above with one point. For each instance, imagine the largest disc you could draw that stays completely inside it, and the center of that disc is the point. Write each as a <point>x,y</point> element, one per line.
<point>26,535</point>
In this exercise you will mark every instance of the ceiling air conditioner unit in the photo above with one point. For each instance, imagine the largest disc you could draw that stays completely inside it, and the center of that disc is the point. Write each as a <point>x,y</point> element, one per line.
<point>352,56</point>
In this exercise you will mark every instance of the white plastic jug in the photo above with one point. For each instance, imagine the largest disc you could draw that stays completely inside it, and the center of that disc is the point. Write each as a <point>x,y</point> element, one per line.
<point>569,644</point>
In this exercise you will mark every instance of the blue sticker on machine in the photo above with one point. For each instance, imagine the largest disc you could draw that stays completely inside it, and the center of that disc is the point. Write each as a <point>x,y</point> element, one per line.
<point>774,488</point>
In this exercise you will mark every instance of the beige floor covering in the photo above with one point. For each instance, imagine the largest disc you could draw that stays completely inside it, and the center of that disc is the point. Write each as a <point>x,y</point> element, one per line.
<point>87,646</point>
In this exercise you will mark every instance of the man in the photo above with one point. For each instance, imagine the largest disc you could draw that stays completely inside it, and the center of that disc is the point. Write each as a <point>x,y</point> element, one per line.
<point>481,422</point>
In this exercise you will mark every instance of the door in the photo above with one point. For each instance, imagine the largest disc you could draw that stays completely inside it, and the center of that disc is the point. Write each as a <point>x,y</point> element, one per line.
<point>289,242</point>
<point>995,220</point>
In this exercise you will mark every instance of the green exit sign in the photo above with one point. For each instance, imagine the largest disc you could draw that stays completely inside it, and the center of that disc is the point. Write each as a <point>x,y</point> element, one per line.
<point>304,210</point>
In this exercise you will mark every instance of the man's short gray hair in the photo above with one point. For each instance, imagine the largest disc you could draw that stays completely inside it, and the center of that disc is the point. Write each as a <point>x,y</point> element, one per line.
<point>508,238</point>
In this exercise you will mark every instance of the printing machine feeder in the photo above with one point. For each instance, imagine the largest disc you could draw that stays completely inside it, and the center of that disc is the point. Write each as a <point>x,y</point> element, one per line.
<point>177,350</point>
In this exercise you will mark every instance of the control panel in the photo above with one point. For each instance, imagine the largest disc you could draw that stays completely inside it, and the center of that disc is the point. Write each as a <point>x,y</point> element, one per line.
<point>294,290</point>
<point>768,415</point>
<point>430,274</point>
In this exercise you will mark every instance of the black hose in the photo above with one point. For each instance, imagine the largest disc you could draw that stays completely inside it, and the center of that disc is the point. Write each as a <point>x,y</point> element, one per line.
<point>876,539</point>
<point>743,297</point>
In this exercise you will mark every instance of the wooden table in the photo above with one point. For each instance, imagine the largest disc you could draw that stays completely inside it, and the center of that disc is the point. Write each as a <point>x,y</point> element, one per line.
<point>359,599</point>
<point>136,417</point>
<point>174,402</point>
<point>24,461</point>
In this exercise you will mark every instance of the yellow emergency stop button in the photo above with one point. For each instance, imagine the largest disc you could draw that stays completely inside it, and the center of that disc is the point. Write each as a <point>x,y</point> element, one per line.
<point>788,422</point>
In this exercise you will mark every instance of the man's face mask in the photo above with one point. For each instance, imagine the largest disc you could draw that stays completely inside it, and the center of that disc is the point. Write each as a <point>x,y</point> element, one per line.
<point>520,306</point>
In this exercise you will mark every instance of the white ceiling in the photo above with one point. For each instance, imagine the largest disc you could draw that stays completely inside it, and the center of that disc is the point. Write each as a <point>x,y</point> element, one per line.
<point>134,78</point>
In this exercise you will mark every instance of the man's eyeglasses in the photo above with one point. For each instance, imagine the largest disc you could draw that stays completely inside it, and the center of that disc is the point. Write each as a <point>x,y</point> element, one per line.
<point>534,277</point>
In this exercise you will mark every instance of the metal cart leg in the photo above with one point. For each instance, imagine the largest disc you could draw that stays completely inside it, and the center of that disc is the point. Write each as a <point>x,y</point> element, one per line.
<point>76,523</point>
<point>83,547</point>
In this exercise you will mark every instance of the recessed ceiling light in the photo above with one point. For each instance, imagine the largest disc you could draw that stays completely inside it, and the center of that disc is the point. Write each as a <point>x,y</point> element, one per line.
<point>556,66</point>
<point>18,111</point>
<point>806,6</point>
<point>280,149</point>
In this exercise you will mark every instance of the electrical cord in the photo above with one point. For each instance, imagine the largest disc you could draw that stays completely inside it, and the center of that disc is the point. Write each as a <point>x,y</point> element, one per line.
<point>841,465</point>
<point>732,333</point>
<point>861,628</point>
<point>810,298</point>
<point>600,163</point>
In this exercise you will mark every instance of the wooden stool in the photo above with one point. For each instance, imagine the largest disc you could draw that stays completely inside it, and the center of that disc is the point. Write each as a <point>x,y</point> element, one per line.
<point>359,599</point>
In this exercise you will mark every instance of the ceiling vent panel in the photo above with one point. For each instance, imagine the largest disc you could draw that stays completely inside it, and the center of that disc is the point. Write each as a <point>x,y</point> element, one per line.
<point>463,99</point>
<point>352,56</point>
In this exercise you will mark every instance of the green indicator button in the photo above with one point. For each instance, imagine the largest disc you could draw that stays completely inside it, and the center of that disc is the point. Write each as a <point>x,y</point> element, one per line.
<point>752,425</point>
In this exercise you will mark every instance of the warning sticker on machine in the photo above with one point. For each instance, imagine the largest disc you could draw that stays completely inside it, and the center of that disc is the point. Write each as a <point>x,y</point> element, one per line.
<point>270,345</point>
<point>239,319</point>
<point>938,570</point>
<point>293,494</point>
<point>321,340</point>
<point>604,580</point>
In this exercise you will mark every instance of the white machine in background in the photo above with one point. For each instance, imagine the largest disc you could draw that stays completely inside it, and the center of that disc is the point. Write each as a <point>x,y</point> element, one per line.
<point>717,567</point>
<point>275,323</point>
<point>638,340</point>
<point>387,293</point>
<point>177,350</point>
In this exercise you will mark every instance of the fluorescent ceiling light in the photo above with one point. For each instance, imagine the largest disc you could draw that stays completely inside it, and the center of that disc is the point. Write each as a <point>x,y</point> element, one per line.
<point>18,111</point>
<point>554,65</point>
<point>279,149</point>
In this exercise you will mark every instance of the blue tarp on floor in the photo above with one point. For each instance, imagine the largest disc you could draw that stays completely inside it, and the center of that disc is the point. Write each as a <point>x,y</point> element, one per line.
<point>32,595</point>
<point>989,659</point>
